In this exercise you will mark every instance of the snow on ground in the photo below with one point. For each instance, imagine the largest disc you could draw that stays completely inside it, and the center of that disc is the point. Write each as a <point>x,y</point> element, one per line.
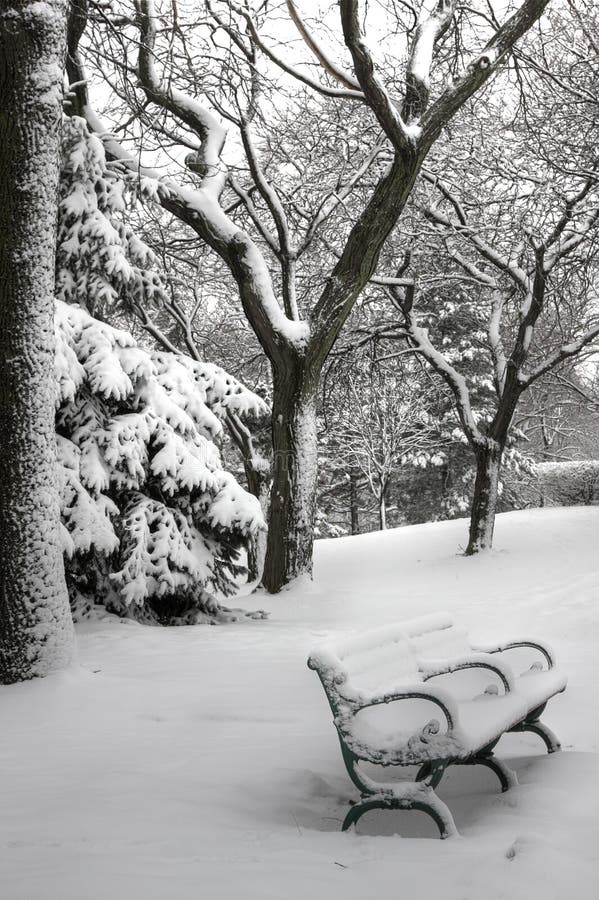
<point>202,762</point>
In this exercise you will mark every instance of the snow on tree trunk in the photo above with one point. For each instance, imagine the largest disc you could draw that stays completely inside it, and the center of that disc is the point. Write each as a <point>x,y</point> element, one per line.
<point>256,554</point>
<point>484,502</point>
<point>293,492</point>
<point>36,632</point>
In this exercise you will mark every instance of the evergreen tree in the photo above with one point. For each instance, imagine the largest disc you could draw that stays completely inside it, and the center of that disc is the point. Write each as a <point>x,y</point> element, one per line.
<point>152,523</point>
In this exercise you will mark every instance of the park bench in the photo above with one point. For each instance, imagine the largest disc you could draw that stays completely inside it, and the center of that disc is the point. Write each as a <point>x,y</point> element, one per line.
<point>419,693</point>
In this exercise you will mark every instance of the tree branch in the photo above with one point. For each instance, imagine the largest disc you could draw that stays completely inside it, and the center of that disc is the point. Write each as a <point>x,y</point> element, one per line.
<point>374,91</point>
<point>516,273</point>
<point>420,59</point>
<point>325,61</point>
<point>291,70</point>
<point>286,253</point>
<point>454,380</point>
<point>480,69</point>
<point>206,162</point>
<point>558,356</point>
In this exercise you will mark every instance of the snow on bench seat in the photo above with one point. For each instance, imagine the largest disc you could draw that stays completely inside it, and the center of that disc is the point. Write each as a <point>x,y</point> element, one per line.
<point>532,663</point>
<point>384,734</point>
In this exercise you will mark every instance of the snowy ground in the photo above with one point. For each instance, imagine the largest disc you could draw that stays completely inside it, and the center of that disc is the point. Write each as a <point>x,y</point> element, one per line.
<point>202,762</point>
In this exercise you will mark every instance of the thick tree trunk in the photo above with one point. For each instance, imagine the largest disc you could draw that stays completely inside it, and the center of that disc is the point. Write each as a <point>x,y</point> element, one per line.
<point>36,632</point>
<point>484,502</point>
<point>293,492</point>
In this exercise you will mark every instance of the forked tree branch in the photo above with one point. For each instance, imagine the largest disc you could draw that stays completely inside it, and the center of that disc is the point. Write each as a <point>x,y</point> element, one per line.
<point>420,59</point>
<point>201,210</point>
<point>480,69</point>
<point>376,94</point>
<point>207,162</point>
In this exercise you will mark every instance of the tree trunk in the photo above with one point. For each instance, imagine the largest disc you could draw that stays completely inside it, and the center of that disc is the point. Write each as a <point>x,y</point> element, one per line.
<point>293,492</point>
<point>484,502</point>
<point>382,510</point>
<point>36,632</point>
<point>445,474</point>
<point>257,475</point>
<point>258,484</point>
<point>353,502</point>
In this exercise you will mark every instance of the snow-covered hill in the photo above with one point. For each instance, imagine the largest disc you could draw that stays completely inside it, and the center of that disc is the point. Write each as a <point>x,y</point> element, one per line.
<point>202,763</point>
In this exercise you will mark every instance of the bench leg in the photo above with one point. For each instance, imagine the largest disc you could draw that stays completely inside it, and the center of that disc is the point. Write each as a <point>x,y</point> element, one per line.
<point>428,803</point>
<point>418,795</point>
<point>432,771</point>
<point>364,784</point>
<point>507,778</point>
<point>537,727</point>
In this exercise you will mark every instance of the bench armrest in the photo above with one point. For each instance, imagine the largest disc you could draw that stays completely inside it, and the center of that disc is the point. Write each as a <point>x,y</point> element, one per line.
<point>414,692</point>
<point>543,649</point>
<point>432,667</point>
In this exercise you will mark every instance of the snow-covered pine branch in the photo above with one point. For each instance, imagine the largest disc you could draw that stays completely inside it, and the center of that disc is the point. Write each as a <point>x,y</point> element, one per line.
<point>101,263</point>
<point>148,511</point>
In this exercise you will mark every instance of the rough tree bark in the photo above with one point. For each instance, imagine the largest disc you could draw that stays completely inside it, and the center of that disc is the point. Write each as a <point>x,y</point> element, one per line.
<point>484,499</point>
<point>36,632</point>
<point>293,494</point>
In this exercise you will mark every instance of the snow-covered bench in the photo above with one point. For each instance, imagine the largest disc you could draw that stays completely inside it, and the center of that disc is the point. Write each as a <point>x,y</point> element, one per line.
<point>419,693</point>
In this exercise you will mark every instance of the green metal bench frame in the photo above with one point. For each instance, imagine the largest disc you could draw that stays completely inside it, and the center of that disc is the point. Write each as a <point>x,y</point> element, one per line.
<point>420,795</point>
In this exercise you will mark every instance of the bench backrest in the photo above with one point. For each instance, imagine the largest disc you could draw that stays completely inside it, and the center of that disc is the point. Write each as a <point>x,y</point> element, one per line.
<point>383,659</point>
<point>440,643</point>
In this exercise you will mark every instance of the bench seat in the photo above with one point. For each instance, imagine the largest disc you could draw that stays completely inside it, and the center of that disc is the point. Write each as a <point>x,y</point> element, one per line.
<point>380,734</point>
<point>532,663</point>
<point>538,687</point>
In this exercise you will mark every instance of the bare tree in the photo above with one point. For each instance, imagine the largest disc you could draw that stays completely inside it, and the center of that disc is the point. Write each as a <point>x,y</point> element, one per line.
<point>558,416</point>
<point>298,343</point>
<point>532,254</point>
<point>376,424</point>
